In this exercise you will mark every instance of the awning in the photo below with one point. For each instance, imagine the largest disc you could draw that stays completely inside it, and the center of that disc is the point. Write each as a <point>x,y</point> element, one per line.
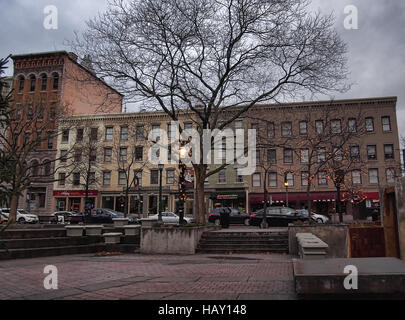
<point>293,197</point>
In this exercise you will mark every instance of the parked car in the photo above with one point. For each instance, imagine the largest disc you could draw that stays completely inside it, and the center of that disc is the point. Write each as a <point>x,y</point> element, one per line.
<point>319,218</point>
<point>22,216</point>
<point>102,215</point>
<point>276,217</point>
<point>235,216</point>
<point>170,218</point>
<point>67,215</point>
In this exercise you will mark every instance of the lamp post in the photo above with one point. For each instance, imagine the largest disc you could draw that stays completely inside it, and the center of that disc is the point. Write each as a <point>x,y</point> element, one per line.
<point>182,185</point>
<point>286,192</point>
<point>160,166</point>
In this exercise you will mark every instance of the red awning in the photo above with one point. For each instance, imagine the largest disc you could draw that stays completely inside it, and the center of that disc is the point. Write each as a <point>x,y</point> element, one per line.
<point>293,197</point>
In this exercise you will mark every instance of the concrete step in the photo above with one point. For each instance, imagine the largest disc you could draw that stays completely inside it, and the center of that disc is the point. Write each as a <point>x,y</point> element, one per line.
<point>33,233</point>
<point>243,246</point>
<point>48,242</point>
<point>244,243</point>
<point>244,234</point>
<point>241,250</point>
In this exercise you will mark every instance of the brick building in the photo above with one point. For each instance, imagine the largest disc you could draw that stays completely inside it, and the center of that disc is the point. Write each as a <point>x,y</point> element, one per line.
<point>55,80</point>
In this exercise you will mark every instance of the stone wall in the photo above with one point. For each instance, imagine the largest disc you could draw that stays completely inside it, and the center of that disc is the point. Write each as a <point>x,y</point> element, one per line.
<point>335,236</point>
<point>171,240</point>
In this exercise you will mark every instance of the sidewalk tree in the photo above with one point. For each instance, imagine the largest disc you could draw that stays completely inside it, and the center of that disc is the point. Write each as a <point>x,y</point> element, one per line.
<point>209,56</point>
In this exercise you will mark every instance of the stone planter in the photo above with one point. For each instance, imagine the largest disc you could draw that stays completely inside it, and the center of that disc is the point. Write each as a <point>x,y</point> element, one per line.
<point>74,231</point>
<point>112,238</point>
<point>132,230</point>
<point>172,240</point>
<point>94,230</point>
<point>148,222</point>
<point>120,222</point>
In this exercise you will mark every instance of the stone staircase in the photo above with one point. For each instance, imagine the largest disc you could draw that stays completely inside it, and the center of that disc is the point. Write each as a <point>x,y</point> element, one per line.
<point>33,243</point>
<point>244,242</point>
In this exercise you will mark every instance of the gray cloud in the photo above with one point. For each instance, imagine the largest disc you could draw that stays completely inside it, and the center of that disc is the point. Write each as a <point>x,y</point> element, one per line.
<point>375,50</point>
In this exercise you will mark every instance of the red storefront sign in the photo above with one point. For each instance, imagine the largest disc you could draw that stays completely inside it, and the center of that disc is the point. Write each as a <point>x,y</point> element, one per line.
<point>74,193</point>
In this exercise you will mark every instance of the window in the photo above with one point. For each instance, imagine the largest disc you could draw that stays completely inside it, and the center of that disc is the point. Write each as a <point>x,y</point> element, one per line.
<point>62,179</point>
<point>303,128</point>
<point>124,133</point>
<point>352,125</point>
<point>107,154</point>
<point>390,174</point>
<point>170,129</point>
<point>38,139</point>
<point>44,79</point>
<point>106,178</point>
<point>189,126</point>
<point>304,178</point>
<point>65,136</point>
<point>93,155</point>
<point>35,168</point>
<point>52,111</point>
<point>27,137</point>
<point>290,179</point>
<point>79,135</point>
<point>30,113</point>
<point>373,176</point>
<point>222,176</point>
<point>93,134</point>
<point>337,154</point>
<point>50,140</point>
<point>238,124</point>
<point>239,178</point>
<point>109,131</point>
<point>355,152</point>
<point>92,178</point>
<point>370,124</point>
<point>140,133</point>
<point>55,83</point>
<point>156,132</point>
<point>272,156</point>
<point>388,151</point>
<point>286,129</point>
<point>122,178</point>
<point>256,180</point>
<point>321,155</point>
<point>372,152</point>
<point>322,178</point>
<point>356,177</point>
<point>319,126</point>
<point>273,179</point>
<point>288,156</point>
<point>386,124</point>
<point>78,155</point>
<point>33,81</point>
<point>154,176</point>
<point>170,177</point>
<point>138,153</point>
<point>258,157</point>
<point>304,156</point>
<point>123,154</point>
<point>138,177</point>
<point>63,155</point>
<point>271,130</point>
<point>336,126</point>
<point>21,81</point>
<point>41,113</point>
<point>76,179</point>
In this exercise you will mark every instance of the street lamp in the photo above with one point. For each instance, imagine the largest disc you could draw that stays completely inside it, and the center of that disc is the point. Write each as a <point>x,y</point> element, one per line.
<point>182,185</point>
<point>286,192</point>
<point>160,166</point>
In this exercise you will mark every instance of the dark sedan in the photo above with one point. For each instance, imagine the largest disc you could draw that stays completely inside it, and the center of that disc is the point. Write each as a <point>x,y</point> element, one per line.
<point>276,217</point>
<point>235,216</point>
<point>106,216</point>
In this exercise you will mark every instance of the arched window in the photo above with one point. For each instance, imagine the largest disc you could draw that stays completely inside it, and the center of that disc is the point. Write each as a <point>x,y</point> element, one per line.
<point>21,81</point>
<point>47,167</point>
<point>35,168</point>
<point>55,85</point>
<point>33,81</point>
<point>44,80</point>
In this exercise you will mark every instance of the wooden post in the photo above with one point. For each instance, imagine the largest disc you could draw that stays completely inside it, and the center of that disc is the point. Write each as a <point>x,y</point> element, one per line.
<point>390,224</point>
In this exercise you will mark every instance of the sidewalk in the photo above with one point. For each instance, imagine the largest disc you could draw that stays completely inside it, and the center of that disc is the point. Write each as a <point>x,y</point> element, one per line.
<point>144,277</point>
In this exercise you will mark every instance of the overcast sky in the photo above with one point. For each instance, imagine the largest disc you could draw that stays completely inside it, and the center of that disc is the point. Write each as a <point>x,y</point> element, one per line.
<point>376,49</point>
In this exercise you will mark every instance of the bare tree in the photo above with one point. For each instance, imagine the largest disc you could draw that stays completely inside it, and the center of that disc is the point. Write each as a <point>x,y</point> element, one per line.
<point>210,56</point>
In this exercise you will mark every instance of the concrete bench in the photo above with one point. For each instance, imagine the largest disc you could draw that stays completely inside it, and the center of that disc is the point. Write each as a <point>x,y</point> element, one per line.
<point>74,231</point>
<point>311,247</point>
<point>132,230</point>
<point>94,230</point>
<point>112,237</point>
<point>120,222</point>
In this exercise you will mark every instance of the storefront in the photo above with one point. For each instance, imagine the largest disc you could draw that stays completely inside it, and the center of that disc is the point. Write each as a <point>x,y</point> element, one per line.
<point>233,199</point>
<point>73,200</point>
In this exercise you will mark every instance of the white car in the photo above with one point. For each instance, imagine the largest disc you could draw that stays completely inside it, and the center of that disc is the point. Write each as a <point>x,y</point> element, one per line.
<point>319,218</point>
<point>22,216</point>
<point>170,218</point>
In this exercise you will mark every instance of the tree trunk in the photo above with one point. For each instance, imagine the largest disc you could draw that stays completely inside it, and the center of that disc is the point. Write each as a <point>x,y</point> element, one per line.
<point>12,218</point>
<point>309,203</point>
<point>264,223</point>
<point>200,214</point>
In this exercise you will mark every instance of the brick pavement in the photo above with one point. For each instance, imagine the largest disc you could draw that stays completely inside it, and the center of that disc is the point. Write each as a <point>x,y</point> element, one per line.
<point>152,277</point>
